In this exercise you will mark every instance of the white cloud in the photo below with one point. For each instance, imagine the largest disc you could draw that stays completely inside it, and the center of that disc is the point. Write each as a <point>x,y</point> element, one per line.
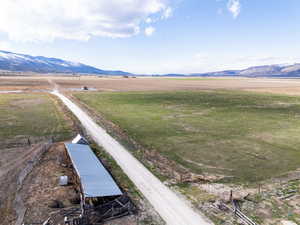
<point>149,20</point>
<point>234,7</point>
<point>46,20</point>
<point>167,13</point>
<point>149,31</point>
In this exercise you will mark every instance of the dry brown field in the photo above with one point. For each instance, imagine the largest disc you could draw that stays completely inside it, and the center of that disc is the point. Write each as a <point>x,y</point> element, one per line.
<point>67,83</point>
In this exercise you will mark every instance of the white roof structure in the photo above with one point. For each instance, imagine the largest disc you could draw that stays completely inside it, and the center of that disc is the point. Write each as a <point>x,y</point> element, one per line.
<point>95,180</point>
<point>80,140</point>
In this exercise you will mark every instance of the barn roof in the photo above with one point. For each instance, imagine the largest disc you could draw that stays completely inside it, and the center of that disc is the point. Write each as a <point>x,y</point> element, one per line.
<point>96,181</point>
<point>80,140</point>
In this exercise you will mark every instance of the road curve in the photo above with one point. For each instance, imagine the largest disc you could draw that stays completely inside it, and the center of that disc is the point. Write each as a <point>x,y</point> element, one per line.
<point>171,208</point>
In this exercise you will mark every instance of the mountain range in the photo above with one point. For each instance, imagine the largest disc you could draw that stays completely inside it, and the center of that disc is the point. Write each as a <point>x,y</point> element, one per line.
<point>26,63</point>
<point>260,71</point>
<point>10,61</point>
<point>256,71</point>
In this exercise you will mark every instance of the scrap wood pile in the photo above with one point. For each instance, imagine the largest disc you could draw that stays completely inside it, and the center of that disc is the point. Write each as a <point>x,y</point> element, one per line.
<point>119,207</point>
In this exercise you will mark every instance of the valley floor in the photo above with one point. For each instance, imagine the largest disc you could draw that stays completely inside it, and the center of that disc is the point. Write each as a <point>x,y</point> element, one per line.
<point>236,140</point>
<point>202,137</point>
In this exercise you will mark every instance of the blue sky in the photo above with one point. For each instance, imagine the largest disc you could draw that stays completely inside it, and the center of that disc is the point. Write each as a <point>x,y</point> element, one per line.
<point>155,36</point>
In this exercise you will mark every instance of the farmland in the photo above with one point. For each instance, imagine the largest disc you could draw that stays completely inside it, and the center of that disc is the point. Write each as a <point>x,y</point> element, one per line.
<point>107,84</point>
<point>28,121</point>
<point>31,115</point>
<point>239,142</point>
<point>230,134</point>
<point>249,136</point>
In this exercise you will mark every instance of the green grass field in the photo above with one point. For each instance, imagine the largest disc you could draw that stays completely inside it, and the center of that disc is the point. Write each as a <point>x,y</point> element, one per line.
<point>246,135</point>
<point>31,115</point>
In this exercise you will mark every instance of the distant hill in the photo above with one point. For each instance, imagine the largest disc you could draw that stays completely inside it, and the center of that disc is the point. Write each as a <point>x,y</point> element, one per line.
<point>272,70</point>
<point>25,63</point>
<point>256,71</point>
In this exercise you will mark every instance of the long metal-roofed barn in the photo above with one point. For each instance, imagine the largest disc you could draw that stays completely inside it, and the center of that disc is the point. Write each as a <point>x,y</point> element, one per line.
<point>95,180</point>
<point>100,194</point>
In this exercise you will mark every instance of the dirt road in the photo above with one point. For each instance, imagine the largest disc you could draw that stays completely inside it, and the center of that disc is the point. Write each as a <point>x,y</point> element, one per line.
<point>172,209</point>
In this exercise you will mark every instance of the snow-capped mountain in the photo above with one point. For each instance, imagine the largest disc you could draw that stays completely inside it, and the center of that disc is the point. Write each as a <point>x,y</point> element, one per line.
<point>27,63</point>
<point>259,71</point>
